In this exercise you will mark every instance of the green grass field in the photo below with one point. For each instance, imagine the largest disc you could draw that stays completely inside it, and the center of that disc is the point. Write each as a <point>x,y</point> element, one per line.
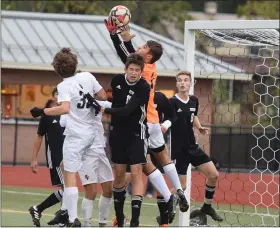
<point>17,200</point>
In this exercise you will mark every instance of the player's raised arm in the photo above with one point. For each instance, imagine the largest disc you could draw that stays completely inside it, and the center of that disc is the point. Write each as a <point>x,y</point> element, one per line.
<point>117,23</point>
<point>126,37</point>
<point>118,44</point>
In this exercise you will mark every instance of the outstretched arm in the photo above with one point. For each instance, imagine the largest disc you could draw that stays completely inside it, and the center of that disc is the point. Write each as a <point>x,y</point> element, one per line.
<point>132,104</point>
<point>123,48</point>
<point>120,48</point>
<point>140,97</point>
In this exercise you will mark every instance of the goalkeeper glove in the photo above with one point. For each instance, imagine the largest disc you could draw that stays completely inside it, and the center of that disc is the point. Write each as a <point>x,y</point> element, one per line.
<point>36,112</point>
<point>123,30</point>
<point>110,25</point>
<point>93,103</point>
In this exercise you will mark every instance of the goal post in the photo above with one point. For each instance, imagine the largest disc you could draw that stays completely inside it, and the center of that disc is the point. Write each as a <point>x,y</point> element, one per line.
<point>239,38</point>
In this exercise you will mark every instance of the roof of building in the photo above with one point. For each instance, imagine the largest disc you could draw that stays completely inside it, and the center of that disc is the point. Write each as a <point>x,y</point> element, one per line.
<point>30,40</point>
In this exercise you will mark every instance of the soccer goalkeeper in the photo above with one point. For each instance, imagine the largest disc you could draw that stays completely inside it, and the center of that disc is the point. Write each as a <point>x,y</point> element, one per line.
<point>151,51</point>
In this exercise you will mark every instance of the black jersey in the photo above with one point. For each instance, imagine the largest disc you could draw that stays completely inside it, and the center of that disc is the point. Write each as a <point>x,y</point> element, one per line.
<point>50,128</point>
<point>164,107</point>
<point>129,105</point>
<point>182,129</point>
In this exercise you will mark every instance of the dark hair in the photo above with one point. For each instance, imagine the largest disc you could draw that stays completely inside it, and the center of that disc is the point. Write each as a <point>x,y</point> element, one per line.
<point>155,50</point>
<point>187,73</point>
<point>48,103</point>
<point>135,59</point>
<point>54,91</point>
<point>65,63</point>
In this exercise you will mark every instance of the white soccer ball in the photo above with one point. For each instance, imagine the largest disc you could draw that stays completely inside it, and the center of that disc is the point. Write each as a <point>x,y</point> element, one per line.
<point>121,13</point>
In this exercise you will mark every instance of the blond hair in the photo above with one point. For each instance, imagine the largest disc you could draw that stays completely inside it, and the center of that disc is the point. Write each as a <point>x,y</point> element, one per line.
<point>184,73</point>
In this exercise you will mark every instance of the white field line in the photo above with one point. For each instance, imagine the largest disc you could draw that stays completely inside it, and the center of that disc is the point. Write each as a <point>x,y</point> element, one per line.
<point>128,202</point>
<point>4,210</point>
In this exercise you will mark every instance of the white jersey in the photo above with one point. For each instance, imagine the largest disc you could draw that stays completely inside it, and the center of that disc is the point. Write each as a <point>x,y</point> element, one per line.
<point>97,121</point>
<point>81,118</point>
<point>98,118</point>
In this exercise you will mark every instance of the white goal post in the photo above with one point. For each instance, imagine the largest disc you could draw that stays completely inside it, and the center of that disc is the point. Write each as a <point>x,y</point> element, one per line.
<point>189,61</point>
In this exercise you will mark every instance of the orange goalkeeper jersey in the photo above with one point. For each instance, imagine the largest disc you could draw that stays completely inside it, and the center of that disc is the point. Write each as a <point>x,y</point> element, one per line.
<point>150,75</point>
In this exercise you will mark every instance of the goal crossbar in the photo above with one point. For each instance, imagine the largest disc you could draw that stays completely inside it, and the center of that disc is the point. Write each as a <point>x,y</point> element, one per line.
<point>232,24</point>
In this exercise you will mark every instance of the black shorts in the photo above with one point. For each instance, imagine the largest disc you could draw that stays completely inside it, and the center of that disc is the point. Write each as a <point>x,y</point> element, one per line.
<point>56,176</point>
<point>155,163</point>
<point>183,156</point>
<point>128,148</point>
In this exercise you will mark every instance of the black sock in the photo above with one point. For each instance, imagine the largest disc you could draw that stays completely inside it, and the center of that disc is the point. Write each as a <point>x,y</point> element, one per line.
<point>163,210</point>
<point>209,194</point>
<point>53,199</point>
<point>136,202</point>
<point>119,198</point>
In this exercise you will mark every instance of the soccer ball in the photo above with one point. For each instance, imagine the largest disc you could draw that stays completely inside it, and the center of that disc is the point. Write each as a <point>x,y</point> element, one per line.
<point>121,13</point>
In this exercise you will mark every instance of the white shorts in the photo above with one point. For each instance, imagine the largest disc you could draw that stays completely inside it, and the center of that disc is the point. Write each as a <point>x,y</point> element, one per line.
<point>96,167</point>
<point>156,139</point>
<point>74,147</point>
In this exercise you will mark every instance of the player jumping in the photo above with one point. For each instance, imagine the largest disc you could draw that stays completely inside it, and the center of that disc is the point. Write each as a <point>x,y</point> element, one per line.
<point>151,51</point>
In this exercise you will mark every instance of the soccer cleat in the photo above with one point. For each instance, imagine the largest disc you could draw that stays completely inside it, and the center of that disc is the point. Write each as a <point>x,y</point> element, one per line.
<point>209,210</point>
<point>115,222</point>
<point>36,215</point>
<point>61,217</point>
<point>76,223</point>
<point>183,203</point>
<point>198,218</point>
<point>172,204</point>
<point>134,224</point>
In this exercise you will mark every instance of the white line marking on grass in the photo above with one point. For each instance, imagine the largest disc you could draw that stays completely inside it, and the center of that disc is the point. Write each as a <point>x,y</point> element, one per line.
<point>128,202</point>
<point>45,214</point>
<point>45,194</point>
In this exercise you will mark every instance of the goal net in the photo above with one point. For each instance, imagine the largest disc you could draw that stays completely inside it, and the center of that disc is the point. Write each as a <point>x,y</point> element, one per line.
<point>236,68</point>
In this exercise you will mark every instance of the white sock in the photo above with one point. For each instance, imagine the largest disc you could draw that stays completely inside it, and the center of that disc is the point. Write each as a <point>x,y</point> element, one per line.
<point>71,202</point>
<point>63,205</point>
<point>171,172</point>
<point>87,209</point>
<point>159,183</point>
<point>104,207</point>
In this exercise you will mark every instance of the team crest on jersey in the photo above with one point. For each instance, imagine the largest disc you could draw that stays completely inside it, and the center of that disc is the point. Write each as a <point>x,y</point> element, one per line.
<point>192,109</point>
<point>179,110</point>
<point>131,92</point>
<point>118,87</point>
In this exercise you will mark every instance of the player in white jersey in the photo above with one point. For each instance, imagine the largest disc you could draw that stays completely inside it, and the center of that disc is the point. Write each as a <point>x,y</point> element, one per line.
<point>80,131</point>
<point>96,168</point>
